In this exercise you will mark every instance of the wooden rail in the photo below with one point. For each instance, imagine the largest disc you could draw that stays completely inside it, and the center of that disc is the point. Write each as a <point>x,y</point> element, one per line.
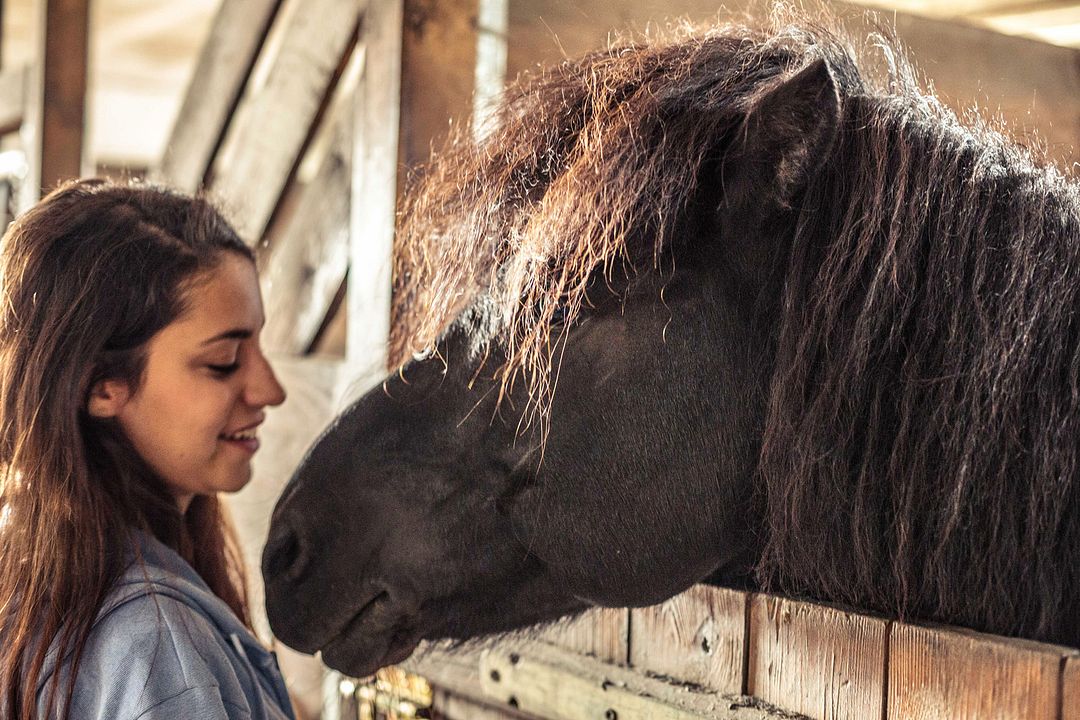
<point>712,652</point>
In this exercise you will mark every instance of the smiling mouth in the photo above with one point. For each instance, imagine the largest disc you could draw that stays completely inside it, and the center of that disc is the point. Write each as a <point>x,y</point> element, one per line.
<point>245,439</point>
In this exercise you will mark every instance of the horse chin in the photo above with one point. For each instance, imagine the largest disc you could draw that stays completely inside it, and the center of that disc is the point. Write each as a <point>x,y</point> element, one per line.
<point>364,657</point>
<point>379,635</point>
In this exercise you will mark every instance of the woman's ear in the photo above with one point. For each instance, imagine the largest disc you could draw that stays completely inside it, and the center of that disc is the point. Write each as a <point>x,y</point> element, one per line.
<point>107,397</point>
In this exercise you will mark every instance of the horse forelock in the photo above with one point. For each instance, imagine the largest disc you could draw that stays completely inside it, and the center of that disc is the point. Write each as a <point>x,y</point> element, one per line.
<point>589,166</point>
<point>920,454</point>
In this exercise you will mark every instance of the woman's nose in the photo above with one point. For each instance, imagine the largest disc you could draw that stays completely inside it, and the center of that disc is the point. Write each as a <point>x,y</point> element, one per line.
<point>263,388</point>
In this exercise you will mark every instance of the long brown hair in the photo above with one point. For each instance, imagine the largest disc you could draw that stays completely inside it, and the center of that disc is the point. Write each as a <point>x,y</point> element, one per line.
<point>87,277</point>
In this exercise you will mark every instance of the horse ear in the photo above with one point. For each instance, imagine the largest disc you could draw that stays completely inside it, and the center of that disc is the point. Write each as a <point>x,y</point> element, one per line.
<point>784,138</point>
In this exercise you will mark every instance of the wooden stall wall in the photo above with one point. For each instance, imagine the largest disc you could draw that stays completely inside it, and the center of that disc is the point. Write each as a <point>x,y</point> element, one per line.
<point>719,653</point>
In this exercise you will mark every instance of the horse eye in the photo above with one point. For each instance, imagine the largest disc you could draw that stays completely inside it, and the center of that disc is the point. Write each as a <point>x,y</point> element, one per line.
<point>558,317</point>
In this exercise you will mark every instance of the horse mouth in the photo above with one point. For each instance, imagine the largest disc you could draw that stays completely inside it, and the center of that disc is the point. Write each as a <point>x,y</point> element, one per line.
<point>375,637</point>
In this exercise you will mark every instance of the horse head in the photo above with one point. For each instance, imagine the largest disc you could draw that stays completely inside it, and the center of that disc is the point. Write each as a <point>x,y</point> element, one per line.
<point>614,395</point>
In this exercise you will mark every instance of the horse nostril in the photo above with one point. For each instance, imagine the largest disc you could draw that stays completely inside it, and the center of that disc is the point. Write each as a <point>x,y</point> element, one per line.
<point>284,555</point>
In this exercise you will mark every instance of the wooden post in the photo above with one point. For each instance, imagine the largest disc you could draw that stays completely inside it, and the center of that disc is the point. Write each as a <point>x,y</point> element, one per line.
<point>374,189</point>
<point>57,113</point>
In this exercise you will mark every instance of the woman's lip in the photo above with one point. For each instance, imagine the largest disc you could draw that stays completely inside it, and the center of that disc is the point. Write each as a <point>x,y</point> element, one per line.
<point>245,428</point>
<point>248,444</point>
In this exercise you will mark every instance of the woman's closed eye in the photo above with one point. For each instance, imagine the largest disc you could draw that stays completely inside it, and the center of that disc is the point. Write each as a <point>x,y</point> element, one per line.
<point>224,370</point>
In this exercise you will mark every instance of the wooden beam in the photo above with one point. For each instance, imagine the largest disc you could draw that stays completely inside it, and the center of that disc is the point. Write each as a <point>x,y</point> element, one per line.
<point>964,675</point>
<point>279,114</point>
<point>698,637</point>
<point>816,660</point>
<point>13,98</point>
<point>419,70</point>
<point>581,682</point>
<point>449,706</point>
<point>374,187</point>
<point>307,251</point>
<point>236,36</point>
<point>56,108</point>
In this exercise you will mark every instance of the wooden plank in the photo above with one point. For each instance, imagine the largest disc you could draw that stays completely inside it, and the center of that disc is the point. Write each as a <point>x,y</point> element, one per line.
<point>698,637</point>
<point>964,675</point>
<point>56,111</point>
<point>236,36</point>
<point>374,187</point>
<point>448,706</point>
<point>816,660</point>
<point>1070,687</point>
<point>275,118</point>
<point>553,683</point>
<point>600,633</point>
<point>13,98</point>
<point>458,672</point>
<point>305,260</point>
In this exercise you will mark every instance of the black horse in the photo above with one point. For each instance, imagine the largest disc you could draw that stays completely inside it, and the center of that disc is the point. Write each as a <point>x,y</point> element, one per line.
<point>744,306</point>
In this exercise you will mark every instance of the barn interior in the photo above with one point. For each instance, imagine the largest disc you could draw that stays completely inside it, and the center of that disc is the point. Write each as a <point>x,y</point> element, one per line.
<point>302,118</point>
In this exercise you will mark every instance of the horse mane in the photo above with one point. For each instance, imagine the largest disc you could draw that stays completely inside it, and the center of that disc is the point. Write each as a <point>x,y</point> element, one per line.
<point>920,455</point>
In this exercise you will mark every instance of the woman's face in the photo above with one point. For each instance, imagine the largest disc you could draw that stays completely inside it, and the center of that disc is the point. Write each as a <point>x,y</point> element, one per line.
<point>195,414</point>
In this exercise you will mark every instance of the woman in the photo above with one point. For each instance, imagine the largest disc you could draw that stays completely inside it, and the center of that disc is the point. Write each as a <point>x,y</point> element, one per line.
<point>131,388</point>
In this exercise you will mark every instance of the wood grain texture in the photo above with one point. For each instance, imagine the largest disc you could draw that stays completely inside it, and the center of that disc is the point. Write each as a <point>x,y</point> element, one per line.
<point>600,633</point>
<point>276,116</point>
<point>697,637</point>
<point>307,253</point>
<point>374,187</point>
<point>446,705</point>
<point>963,675</point>
<point>816,660</point>
<point>236,36</point>
<point>1070,690</point>
<point>554,683</point>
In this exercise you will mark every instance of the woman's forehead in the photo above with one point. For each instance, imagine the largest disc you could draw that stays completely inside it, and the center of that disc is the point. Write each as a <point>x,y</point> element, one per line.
<point>226,300</point>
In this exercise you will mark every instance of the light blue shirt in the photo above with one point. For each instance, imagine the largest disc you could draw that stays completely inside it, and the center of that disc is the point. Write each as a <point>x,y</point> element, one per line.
<point>164,647</point>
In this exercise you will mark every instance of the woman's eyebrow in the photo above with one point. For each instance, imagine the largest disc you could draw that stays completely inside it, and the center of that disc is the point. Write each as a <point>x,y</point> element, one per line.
<point>234,334</point>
